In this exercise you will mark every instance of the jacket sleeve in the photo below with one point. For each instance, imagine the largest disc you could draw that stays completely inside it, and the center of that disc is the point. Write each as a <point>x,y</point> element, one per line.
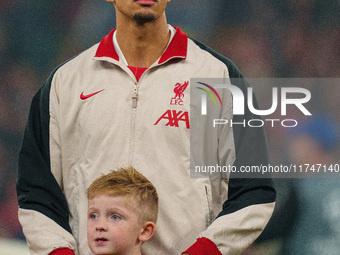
<point>250,201</point>
<point>43,210</point>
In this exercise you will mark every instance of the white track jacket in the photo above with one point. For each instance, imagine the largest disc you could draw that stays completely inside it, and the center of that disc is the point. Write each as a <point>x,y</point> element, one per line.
<point>91,116</point>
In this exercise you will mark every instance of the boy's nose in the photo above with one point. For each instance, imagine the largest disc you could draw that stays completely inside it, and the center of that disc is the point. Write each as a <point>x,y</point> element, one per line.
<point>102,226</point>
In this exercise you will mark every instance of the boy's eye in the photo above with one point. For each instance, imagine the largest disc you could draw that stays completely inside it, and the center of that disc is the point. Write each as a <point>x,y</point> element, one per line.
<point>115,217</point>
<point>93,216</point>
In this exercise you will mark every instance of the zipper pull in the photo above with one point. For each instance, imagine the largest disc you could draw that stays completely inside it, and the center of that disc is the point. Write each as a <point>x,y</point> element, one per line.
<point>134,98</point>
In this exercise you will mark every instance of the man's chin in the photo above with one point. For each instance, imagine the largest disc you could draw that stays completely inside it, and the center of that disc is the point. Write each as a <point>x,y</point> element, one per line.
<point>143,18</point>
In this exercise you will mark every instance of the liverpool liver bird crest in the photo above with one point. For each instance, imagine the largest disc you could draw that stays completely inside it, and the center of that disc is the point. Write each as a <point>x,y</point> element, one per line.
<point>179,89</point>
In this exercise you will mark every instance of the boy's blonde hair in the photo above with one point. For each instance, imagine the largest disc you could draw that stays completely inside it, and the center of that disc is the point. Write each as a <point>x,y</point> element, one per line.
<point>139,193</point>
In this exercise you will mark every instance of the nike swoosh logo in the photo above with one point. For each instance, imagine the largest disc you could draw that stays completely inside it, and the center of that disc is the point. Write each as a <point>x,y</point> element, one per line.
<point>83,97</point>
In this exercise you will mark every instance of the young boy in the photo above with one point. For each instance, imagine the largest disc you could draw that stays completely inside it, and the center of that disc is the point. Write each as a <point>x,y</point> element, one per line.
<point>122,212</point>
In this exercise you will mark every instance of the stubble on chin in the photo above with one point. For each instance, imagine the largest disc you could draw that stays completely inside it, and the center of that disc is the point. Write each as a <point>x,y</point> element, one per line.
<point>143,18</point>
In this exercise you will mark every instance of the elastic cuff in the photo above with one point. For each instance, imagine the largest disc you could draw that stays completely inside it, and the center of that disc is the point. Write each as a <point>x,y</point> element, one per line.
<point>62,251</point>
<point>203,246</point>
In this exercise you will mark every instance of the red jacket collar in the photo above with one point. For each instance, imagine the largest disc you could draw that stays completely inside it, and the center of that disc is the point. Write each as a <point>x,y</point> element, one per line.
<point>176,49</point>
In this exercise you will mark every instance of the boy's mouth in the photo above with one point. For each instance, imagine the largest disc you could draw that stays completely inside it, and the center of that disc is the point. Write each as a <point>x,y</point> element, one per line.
<point>100,240</point>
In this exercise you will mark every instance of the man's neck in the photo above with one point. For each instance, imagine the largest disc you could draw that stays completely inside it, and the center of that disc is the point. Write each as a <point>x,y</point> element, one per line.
<point>143,44</point>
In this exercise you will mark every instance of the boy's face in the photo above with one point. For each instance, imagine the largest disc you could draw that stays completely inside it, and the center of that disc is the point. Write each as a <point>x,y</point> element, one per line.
<point>112,228</point>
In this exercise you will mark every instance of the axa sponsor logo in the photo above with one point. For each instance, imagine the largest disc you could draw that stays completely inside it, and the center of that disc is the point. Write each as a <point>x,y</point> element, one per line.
<point>179,93</point>
<point>174,118</point>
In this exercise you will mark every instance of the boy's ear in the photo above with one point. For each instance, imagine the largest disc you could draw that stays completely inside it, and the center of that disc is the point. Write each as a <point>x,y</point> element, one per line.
<point>148,230</point>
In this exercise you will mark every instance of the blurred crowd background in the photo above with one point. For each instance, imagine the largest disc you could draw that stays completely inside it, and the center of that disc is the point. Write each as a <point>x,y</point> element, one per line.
<point>265,39</point>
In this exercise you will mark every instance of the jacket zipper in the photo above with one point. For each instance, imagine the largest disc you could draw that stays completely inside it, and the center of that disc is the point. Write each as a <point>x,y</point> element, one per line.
<point>135,96</point>
<point>133,125</point>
